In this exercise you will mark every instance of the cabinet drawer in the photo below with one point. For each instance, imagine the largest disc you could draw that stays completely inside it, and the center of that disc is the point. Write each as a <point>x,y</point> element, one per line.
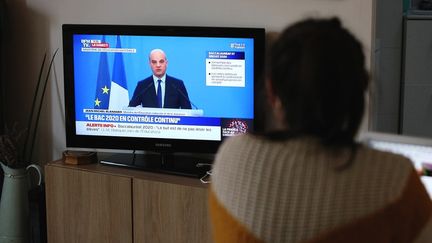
<point>166,212</point>
<point>87,207</point>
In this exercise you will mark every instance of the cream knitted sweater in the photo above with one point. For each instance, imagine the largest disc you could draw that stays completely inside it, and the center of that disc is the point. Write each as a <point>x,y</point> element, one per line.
<point>291,191</point>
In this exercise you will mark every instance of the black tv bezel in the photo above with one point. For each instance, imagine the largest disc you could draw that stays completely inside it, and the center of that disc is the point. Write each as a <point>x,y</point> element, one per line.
<point>147,144</point>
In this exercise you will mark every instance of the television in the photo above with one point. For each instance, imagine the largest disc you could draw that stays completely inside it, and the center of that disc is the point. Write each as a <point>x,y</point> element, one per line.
<point>114,100</point>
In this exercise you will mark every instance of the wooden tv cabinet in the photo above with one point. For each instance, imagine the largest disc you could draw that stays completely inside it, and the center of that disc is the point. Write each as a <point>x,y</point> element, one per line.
<point>99,203</point>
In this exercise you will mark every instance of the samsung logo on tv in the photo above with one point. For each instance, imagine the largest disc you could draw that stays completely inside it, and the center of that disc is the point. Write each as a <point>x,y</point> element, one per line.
<point>163,145</point>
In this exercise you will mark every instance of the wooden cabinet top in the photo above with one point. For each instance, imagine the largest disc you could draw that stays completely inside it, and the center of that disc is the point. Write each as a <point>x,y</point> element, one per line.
<point>132,173</point>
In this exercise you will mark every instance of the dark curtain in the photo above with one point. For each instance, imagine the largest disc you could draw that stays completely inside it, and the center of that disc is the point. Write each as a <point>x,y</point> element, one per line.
<point>2,79</point>
<point>2,67</point>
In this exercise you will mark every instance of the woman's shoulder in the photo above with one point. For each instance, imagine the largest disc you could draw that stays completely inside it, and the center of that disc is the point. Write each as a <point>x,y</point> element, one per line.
<point>239,143</point>
<point>235,146</point>
<point>246,147</point>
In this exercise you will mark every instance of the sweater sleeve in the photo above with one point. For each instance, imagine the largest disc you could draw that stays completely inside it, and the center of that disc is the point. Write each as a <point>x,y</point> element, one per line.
<point>225,227</point>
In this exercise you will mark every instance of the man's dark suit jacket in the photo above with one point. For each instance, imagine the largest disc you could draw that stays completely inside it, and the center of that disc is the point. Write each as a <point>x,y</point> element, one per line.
<point>176,95</point>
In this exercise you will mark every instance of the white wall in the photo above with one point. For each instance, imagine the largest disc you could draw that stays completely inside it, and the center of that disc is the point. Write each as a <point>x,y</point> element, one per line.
<point>35,27</point>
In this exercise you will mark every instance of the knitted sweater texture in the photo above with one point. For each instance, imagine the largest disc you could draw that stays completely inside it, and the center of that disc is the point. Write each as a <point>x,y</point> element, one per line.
<point>292,191</point>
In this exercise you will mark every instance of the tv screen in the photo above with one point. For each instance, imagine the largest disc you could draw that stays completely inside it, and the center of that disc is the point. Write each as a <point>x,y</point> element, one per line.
<point>159,88</point>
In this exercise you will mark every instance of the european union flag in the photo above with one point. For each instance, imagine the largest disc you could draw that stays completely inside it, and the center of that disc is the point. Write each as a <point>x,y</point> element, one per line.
<point>103,84</point>
<point>119,97</point>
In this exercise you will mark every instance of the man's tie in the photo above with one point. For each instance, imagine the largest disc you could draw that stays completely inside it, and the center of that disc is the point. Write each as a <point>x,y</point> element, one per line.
<point>159,94</point>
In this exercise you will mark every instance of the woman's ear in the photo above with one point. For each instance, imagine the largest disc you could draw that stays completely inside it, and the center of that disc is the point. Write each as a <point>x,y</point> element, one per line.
<point>276,107</point>
<point>272,98</point>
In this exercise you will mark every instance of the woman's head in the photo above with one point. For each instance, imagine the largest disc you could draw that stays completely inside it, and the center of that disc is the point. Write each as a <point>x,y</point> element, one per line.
<point>316,71</point>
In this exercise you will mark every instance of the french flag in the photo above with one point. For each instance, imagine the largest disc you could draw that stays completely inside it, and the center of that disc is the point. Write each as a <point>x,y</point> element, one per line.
<point>101,100</point>
<point>119,95</point>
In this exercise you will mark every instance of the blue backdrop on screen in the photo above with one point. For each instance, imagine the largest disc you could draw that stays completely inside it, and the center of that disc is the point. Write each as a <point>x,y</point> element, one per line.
<point>186,61</point>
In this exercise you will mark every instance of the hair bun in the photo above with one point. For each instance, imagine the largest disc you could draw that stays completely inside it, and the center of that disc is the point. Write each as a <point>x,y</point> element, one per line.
<point>335,21</point>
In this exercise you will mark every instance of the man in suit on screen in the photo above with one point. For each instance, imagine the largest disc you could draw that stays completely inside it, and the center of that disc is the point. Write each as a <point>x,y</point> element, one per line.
<point>160,90</point>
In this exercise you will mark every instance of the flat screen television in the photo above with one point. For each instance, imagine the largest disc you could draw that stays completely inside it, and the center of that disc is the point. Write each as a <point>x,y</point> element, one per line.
<point>162,89</point>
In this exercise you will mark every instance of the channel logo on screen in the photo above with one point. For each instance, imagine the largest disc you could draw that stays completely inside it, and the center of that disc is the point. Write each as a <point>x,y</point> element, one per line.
<point>94,44</point>
<point>233,127</point>
<point>238,45</point>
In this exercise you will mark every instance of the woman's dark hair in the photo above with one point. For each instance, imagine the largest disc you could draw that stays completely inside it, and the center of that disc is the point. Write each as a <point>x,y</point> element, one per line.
<point>317,70</point>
